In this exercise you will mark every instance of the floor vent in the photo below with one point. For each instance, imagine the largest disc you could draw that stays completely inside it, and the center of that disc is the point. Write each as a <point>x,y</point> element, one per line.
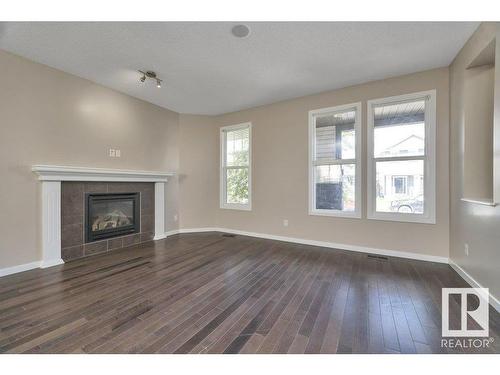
<point>228,235</point>
<point>379,257</point>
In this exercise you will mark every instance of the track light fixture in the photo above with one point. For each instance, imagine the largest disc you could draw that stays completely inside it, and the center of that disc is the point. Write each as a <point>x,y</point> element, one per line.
<point>152,75</point>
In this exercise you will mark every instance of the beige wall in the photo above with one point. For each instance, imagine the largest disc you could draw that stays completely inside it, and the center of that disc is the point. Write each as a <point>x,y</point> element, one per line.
<point>198,171</point>
<point>50,117</point>
<point>478,132</point>
<point>280,172</point>
<point>474,224</point>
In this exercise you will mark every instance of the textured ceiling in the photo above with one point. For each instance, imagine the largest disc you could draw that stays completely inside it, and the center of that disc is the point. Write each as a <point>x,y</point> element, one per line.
<point>205,70</point>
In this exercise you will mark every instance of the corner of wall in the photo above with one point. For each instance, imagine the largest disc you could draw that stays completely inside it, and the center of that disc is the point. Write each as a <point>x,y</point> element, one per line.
<point>198,171</point>
<point>472,224</point>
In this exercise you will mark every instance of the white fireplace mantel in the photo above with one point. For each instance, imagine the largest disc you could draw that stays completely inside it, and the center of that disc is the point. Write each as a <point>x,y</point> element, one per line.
<point>60,173</point>
<point>52,176</point>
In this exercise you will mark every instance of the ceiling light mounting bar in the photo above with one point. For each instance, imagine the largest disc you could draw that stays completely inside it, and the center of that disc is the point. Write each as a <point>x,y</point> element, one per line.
<point>151,75</point>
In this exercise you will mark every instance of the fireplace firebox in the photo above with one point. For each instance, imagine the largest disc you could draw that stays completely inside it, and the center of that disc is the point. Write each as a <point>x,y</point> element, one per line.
<point>111,215</point>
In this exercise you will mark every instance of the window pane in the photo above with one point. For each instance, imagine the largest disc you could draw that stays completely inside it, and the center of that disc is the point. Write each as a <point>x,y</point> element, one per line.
<point>400,186</point>
<point>335,187</point>
<point>335,136</point>
<point>399,129</point>
<point>237,185</point>
<point>237,142</point>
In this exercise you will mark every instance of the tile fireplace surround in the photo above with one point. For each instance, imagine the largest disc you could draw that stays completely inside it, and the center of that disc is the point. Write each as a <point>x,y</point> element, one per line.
<point>63,194</point>
<point>73,197</point>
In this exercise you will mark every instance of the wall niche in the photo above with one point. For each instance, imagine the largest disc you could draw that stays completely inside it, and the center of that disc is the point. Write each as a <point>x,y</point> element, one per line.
<point>479,133</point>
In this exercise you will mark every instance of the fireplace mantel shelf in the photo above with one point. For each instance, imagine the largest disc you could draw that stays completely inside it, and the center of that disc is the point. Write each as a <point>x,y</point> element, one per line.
<point>64,173</point>
<point>52,176</point>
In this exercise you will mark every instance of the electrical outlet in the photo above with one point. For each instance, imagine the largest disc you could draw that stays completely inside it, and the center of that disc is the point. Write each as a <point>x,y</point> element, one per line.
<point>285,222</point>
<point>466,249</point>
<point>176,217</point>
<point>114,153</point>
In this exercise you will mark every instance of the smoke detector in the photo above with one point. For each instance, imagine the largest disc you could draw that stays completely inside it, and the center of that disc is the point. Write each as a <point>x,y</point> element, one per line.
<point>240,31</point>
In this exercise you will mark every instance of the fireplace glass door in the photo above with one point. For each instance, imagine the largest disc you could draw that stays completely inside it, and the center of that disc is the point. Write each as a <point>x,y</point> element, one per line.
<point>112,215</point>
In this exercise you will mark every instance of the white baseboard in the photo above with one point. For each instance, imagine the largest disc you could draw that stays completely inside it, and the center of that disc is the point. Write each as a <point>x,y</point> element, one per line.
<point>160,237</point>
<point>19,268</point>
<point>469,279</point>
<point>30,266</point>
<point>51,263</point>
<point>332,245</point>
<point>200,230</point>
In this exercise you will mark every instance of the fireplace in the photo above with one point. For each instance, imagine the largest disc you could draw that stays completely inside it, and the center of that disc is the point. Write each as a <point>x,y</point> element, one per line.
<point>111,215</point>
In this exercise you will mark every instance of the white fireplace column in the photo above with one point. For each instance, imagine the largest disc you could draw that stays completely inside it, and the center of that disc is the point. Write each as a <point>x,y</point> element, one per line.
<point>51,177</point>
<point>159,211</point>
<point>51,224</point>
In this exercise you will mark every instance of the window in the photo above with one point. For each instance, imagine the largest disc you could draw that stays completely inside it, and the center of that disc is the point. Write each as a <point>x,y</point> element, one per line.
<point>236,167</point>
<point>399,184</point>
<point>401,158</point>
<point>335,167</point>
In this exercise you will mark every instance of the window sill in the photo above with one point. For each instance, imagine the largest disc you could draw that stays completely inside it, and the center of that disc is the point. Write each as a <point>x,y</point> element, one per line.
<point>238,207</point>
<point>484,202</point>
<point>334,213</point>
<point>407,218</point>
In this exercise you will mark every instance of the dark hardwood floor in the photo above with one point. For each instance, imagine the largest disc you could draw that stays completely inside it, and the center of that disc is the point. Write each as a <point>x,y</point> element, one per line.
<point>206,293</point>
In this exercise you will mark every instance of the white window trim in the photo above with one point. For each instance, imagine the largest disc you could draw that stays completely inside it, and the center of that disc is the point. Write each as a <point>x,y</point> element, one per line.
<point>222,174</point>
<point>356,214</point>
<point>429,215</point>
